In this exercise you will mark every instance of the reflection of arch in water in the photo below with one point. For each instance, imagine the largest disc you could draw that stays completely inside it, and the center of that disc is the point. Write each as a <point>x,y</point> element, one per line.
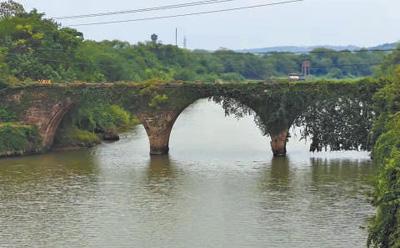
<point>277,175</point>
<point>55,166</point>
<point>280,171</point>
<point>161,175</point>
<point>160,168</point>
<point>341,170</point>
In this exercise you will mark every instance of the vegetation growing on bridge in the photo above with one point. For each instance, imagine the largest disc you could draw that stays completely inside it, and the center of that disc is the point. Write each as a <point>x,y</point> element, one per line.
<point>336,115</point>
<point>6,115</point>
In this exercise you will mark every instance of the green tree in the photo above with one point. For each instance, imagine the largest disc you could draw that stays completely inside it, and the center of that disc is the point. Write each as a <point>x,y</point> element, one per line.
<point>10,9</point>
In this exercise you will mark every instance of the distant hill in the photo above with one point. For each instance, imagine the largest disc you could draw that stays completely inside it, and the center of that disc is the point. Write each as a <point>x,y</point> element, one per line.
<point>386,46</point>
<point>306,49</point>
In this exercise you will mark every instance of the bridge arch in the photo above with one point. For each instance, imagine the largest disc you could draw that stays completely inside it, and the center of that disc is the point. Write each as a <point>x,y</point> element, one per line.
<point>159,124</point>
<point>47,119</point>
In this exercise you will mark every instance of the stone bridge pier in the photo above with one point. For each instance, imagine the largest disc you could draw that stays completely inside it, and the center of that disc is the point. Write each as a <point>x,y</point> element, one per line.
<point>278,143</point>
<point>158,126</point>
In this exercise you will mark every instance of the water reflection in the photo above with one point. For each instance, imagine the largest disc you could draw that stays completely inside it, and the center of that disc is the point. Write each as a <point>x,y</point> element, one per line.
<point>343,171</point>
<point>212,191</point>
<point>280,172</point>
<point>160,168</point>
<point>162,175</point>
<point>40,196</point>
<point>52,166</point>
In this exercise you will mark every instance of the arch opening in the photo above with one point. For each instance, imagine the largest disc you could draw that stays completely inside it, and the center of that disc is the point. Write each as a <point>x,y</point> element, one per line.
<point>47,119</point>
<point>159,124</point>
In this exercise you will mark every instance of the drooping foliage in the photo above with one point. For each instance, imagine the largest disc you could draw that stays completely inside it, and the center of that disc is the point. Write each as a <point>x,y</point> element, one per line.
<point>341,118</point>
<point>334,115</point>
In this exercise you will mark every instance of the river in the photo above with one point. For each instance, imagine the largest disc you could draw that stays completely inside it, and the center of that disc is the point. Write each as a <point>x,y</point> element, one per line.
<point>219,187</point>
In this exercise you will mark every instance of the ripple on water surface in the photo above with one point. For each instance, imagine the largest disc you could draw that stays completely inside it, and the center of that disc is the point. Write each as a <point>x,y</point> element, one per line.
<point>220,187</point>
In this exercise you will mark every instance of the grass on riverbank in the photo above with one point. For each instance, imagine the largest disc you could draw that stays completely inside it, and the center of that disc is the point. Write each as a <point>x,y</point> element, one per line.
<point>92,123</point>
<point>18,139</point>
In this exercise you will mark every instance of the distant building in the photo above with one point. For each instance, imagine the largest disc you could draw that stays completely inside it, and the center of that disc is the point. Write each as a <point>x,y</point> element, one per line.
<point>296,76</point>
<point>305,72</point>
<point>306,68</point>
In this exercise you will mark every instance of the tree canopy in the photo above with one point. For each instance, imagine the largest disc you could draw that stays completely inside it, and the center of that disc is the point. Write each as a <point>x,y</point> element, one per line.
<point>34,48</point>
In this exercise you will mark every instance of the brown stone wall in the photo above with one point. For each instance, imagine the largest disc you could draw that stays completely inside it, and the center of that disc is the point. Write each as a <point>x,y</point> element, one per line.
<point>47,117</point>
<point>158,126</point>
<point>278,143</point>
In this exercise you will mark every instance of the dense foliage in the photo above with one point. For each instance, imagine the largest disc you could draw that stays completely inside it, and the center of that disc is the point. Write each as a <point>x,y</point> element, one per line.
<point>385,226</point>
<point>340,119</point>
<point>35,48</point>
<point>6,115</point>
<point>16,139</point>
<point>87,125</point>
<point>335,115</point>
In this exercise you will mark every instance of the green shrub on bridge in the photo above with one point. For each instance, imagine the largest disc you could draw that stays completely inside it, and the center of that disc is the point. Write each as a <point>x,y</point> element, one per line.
<point>2,83</point>
<point>6,115</point>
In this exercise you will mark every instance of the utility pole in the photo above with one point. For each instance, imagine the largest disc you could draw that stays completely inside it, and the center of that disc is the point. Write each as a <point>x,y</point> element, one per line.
<point>176,37</point>
<point>184,42</point>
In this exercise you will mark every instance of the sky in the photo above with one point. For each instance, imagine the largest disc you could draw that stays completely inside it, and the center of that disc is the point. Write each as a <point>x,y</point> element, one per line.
<point>307,23</point>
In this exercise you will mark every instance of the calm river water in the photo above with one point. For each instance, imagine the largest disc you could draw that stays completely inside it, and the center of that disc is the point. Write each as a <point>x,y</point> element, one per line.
<point>219,187</point>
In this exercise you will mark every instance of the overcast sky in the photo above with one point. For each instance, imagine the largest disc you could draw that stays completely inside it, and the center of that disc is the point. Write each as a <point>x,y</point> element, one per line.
<point>312,22</point>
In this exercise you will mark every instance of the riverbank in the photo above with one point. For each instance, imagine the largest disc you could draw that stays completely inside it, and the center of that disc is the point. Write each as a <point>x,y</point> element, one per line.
<point>85,127</point>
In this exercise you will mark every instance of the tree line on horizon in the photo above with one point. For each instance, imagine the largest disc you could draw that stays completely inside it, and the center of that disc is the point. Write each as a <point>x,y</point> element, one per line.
<point>34,48</point>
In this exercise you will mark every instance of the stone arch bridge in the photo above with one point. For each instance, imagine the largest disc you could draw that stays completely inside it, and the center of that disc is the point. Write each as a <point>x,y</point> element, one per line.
<point>340,106</point>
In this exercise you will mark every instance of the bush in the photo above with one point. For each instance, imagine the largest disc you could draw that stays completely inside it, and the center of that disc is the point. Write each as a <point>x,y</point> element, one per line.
<point>157,100</point>
<point>120,117</point>
<point>232,77</point>
<point>3,84</point>
<point>73,136</point>
<point>6,116</point>
<point>384,229</point>
<point>101,117</point>
<point>18,139</point>
<point>385,226</point>
<point>185,75</point>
